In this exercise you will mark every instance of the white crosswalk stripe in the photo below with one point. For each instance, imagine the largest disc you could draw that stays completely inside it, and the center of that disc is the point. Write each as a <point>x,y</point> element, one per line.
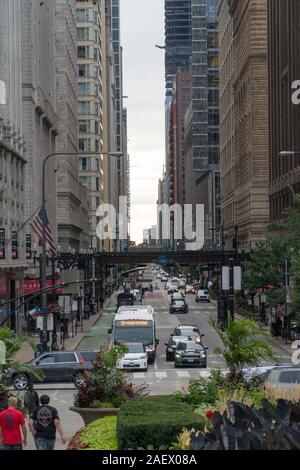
<point>183,373</point>
<point>139,375</point>
<point>161,375</point>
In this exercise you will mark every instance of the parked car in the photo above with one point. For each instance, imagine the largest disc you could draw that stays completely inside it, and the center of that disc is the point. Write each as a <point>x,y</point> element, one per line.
<point>190,354</point>
<point>172,345</point>
<point>281,376</point>
<point>177,296</point>
<point>57,366</point>
<point>179,306</point>
<point>172,288</point>
<point>190,289</point>
<point>189,330</point>
<point>135,358</point>
<point>202,296</point>
<point>164,279</point>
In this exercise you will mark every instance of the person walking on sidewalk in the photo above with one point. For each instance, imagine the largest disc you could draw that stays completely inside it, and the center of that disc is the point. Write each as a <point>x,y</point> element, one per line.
<point>12,423</point>
<point>31,399</point>
<point>43,424</point>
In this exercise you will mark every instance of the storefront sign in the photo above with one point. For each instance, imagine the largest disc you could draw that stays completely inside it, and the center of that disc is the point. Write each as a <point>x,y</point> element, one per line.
<point>33,285</point>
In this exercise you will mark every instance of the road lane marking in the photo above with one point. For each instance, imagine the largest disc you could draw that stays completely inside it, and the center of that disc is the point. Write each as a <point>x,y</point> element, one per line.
<point>155,365</point>
<point>161,375</point>
<point>183,374</point>
<point>139,375</point>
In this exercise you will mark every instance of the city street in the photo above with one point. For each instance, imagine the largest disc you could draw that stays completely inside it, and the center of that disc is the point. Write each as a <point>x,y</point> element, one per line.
<point>161,377</point>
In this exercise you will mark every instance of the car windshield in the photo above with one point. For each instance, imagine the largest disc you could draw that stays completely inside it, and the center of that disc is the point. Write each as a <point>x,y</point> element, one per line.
<point>187,332</point>
<point>135,348</point>
<point>193,347</point>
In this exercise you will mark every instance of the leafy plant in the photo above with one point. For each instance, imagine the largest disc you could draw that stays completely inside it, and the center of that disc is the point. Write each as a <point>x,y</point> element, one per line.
<point>100,435</point>
<point>183,441</point>
<point>105,383</point>
<point>243,428</point>
<point>13,345</point>
<point>203,390</point>
<point>244,345</point>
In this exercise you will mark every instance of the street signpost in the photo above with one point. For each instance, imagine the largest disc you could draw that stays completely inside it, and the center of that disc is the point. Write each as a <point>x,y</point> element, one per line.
<point>231,282</point>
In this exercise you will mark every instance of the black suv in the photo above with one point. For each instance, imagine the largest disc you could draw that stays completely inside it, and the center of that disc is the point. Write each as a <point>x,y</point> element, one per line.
<point>58,366</point>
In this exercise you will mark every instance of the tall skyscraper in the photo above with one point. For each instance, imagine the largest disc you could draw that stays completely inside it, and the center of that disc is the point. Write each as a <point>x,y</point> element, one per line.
<point>250,164</point>
<point>91,56</point>
<point>121,121</point>
<point>178,38</point>
<point>284,69</point>
<point>69,193</point>
<point>12,161</point>
<point>40,120</point>
<point>227,123</point>
<point>205,114</point>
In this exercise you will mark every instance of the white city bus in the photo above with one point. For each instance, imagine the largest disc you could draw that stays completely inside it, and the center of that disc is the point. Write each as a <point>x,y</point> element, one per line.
<point>136,327</point>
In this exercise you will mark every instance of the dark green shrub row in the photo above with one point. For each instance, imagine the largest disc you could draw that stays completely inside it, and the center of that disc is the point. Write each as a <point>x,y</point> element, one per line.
<point>154,420</point>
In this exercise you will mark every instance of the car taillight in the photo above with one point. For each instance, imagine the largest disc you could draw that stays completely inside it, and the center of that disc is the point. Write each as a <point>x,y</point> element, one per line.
<point>81,362</point>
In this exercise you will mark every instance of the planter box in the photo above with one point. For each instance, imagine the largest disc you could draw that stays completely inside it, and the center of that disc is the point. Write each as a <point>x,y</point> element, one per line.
<point>92,414</point>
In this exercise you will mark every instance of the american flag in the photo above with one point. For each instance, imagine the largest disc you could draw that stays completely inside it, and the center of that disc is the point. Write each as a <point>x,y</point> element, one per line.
<point>37,226</point>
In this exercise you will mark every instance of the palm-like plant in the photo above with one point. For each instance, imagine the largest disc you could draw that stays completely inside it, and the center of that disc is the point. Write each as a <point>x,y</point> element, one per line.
<point>244,345</point>
<point>13,345</point>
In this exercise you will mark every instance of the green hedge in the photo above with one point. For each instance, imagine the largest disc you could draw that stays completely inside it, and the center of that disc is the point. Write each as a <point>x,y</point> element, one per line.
<point>100,434</point>
<point>154,421</point>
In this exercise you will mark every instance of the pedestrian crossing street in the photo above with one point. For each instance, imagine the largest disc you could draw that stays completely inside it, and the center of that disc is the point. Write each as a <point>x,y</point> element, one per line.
<point>170,374</point>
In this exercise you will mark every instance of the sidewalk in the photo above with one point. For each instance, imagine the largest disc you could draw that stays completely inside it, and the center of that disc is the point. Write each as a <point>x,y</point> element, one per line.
<point>88,338</point>
<point>278,343</point>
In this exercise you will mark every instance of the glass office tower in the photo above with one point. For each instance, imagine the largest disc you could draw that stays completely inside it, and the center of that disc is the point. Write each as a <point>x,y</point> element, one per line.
<point>178,38</point>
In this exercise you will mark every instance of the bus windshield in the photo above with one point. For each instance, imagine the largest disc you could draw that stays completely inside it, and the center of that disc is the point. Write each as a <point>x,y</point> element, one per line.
<point>134,331</point>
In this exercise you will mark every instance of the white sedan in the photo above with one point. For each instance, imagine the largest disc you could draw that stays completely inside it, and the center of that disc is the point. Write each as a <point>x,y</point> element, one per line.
<point>136,358</point>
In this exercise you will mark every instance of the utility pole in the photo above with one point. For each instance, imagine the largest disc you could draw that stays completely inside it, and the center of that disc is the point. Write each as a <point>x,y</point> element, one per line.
<point>231,288</point>
<point>287,298</point>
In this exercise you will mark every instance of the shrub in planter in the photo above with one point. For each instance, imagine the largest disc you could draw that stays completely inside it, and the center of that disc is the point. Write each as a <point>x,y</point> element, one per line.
<point>99,435</point>
<point>105,383</point>
<point>155,421</point>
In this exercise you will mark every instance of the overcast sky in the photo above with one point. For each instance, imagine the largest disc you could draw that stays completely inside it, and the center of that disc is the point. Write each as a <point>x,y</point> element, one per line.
<point>142,26</point>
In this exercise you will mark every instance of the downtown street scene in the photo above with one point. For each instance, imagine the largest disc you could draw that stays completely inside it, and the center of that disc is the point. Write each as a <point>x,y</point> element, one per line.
<point>149,228</point>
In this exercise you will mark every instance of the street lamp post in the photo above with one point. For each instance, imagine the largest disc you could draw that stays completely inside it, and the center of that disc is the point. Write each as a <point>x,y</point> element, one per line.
<point>44,336</point>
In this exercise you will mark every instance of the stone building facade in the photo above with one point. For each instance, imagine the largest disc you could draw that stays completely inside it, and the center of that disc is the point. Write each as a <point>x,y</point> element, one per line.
<point>251,130</point>
<point>40,122</point>
<point>69,191</point>
<point>12,161</point>
<point>227,177</point>
<point>284,69</point>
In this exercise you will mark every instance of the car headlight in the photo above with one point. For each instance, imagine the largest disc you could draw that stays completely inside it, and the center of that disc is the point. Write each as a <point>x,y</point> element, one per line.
<point>178,355</point>
<point>150,348</point>
<point>143,356</point>
<point>203,354</point>
<point>170,349</point>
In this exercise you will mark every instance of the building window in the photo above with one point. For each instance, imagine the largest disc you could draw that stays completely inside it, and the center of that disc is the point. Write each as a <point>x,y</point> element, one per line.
<point>84,164</point>
<point>84,126</point>
<point>83,70</point>
<point>82,34</point>
<point>84,89</point>
<point>97,184</point>
<point>84,107</point>
<point>83,52</point>
<point>82,15</point>
<point>84,145</point>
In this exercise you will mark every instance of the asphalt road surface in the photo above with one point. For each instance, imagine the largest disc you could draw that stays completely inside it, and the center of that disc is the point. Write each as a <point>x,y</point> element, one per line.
<point>161,377</point>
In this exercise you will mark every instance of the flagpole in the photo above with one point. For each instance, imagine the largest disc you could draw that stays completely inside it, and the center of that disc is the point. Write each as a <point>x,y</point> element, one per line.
<point>44,335</point>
